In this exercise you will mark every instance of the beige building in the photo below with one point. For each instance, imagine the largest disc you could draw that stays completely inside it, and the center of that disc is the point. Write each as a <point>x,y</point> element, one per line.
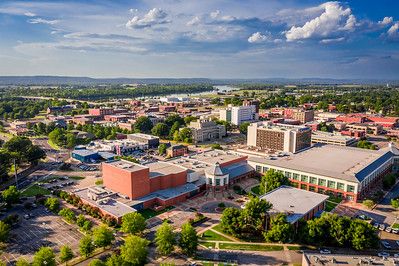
<point>206,130</point>
<point>303,116</point>
<point>279,137</point>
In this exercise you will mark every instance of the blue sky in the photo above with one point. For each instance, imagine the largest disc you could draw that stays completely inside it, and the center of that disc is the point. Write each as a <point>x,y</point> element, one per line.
<point>207,38</point>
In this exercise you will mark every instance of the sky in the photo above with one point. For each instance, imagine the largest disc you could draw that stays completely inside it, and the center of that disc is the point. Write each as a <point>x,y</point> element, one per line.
<point>207,38</point>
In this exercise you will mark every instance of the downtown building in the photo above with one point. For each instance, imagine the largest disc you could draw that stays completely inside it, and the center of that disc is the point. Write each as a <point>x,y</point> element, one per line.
<point>346,172</point>
<point>206,130</point>
<point>239,114</point>
<point>278,137</point>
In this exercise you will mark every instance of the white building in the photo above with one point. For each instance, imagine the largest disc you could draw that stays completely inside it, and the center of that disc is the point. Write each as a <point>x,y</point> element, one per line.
<point>239,114</point>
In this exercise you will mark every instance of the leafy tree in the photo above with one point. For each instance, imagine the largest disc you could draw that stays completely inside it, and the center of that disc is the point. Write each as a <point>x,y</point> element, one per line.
<point>23,150</point>
<point>71,140</point>
<point>143,124</point>
<point>80,220</point>
<point>11,195</point>
<point>53,204</point>
<point>68,214</point>
<point>395,203</point>
<point>22,262</point>
<point>231,221</point>
<point>102,236</point>
<point>368,203</point>
<point>66,254</point>
<point>162,148</point>
<point>161,130</point>
<point>44,257</point>
<point>86,246</point>
<point>280,230</point>
<point>114,260</point>
<point>188,240</point>
<point>216,146</point>
<point>133,223</point>
<point>244,128</point>
<point>96,262</point>
<point>165,239</point>
<point>254,215</point>
<point>363,235</point>
<point>174,118</point>
<point>87,225</point>
<point>272,180</point>
<point>174,128</point>
<point>184,135</point>
<point>135,250</point>
<point>4,231</point>
<point>189,119</point>
<point>5,163</point>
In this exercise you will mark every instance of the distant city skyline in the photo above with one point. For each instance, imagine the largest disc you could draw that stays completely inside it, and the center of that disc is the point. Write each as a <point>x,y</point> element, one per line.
<point>209,39</point>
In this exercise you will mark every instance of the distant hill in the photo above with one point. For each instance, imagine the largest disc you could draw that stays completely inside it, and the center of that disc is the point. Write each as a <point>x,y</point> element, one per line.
<point>65,80</point>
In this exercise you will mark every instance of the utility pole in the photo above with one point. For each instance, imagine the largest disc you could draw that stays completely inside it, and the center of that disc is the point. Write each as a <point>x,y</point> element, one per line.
<point>16,174</point>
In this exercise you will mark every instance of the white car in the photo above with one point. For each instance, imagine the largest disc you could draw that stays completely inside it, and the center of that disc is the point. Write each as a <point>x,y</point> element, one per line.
<point>386,244</point>
<point>325,251</point>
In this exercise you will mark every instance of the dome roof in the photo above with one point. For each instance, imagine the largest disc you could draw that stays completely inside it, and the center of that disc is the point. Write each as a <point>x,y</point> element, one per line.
<point>215,170</point>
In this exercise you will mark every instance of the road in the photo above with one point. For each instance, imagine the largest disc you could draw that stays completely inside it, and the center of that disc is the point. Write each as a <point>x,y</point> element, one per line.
<point>52,154</point>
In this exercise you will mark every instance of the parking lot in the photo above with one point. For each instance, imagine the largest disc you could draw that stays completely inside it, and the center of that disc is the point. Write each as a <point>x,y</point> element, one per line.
<point>43,228</point>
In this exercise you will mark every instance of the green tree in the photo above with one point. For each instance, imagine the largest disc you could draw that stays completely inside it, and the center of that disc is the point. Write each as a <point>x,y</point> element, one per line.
<point>143,124</point>
<point>161,130</point>
<point>255,214</point>
<point>165,239</point>
<point>231,221</point>
<point>114,260</point>
<point>174,118</point>
<point>135,250</point>
<point>53,204</point>
<point>133,223</point>
<point>174,128</point>
<point>44,257</point>
<point>184,135</point>
<point>22,262</point>
<point>4,231</point>
<point>66,254</point>
<point>395,203</point>
<point>5,163</point>
<point>86,246</point>
<point>244,128</point>
<point>11,195</point>
<point>280,230</point>
<point>102,236</point>
<point>272,180</point>
<point>68,214</point>
<point>368,203</point>
<point>216,146</point>
<point>188,240</point>
<point>363,235</point>
<point>189,119</point>
<point>71,140</point>
<point>162,148</point>
<point>80,220</point>
<point>96,262</point>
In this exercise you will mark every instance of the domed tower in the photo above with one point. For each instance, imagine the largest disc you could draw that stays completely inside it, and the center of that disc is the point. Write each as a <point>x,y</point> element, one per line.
<point>216,180</point>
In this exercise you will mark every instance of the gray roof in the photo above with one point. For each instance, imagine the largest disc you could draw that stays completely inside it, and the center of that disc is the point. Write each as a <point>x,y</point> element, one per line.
<point>293,201</point>
<point>170,193</point>
<point>214,170</point>
<point>329,160</point>
<point>84,152</point>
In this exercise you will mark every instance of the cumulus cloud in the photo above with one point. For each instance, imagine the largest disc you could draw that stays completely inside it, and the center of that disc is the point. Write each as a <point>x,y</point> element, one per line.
<point>154,17</point>
<point>334,20</point>
<point>393,32</point>
<point>43,21</point>
<point>258,37</point>
<point>386,21</point>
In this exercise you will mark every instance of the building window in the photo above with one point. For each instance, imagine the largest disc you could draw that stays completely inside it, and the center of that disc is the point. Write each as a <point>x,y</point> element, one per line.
<point>295,176</point>
<point>313,180</point>
<point>340,186</point>
<point>210,181</point>
<point>322,182</point>
<point>350,188</point>
<point>303,186</point>
<point>321,191</point>
<point>265,169</point>
<point>304,178</point>
<point>287,174</point>
<point>312,188</point>
<point>217,182</point>
<point>258,168</point>
<point>225,181</point>
<point>331,184</point>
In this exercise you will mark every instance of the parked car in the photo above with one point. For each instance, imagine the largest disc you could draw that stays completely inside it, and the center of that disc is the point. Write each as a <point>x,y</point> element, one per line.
<point>381,227</point>
<point>386,244</point>
<point>383,254</point>
<point>388,229</point>
<point>395,231</point>
<point>376,225</point>
<point>325,251</point>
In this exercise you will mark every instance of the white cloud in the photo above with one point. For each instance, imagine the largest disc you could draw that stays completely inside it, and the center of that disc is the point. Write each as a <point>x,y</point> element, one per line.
<point>154,17</point>
<point>386,21</point>
<point>258,37</point>
<point>393,31</point>
<point>30,14</point>
<point>194,21</point>
<point>334,20</point>
<point>333,40</point>
<point>43,21</point>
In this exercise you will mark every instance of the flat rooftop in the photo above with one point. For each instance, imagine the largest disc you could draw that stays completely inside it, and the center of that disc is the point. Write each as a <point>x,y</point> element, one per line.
<point>161,168</point>
<point>294,202</point>
<point>127,165</point>
<point>317,259</point>
<point>144,136</point>
<point>346,163</point>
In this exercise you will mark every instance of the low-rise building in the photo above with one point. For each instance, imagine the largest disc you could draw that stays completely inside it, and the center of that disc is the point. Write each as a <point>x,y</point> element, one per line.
<point>332,138</point>
<point>176,150</point>
<point>150,140</point>
<point>206,130</point>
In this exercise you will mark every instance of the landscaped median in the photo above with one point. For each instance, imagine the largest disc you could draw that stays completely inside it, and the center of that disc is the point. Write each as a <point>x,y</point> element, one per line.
<point>251,247</point>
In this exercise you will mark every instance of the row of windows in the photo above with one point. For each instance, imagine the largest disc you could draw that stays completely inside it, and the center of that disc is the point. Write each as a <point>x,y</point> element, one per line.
<point>311,180</point>
<point>217,181</point>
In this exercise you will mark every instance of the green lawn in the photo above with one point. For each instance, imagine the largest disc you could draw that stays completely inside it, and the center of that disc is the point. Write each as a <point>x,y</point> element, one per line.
<point>256,190</point>
<point>253,247</point>
<point>77,177</point>
<point>300,248</point>
<point>208,244</point>
<point>35,190</point>
<point>396,226</point>
<point>53,145</point>
<point>330,206</point>
<point>149,213</point>
<point>99,182</point>
<point>218,228</point>
<point>210,235</point>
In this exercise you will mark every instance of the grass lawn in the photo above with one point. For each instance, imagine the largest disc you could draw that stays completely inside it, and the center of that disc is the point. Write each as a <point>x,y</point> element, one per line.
<point>210,235</point>
<point>218,228</point>
<point>301,248</point>
<point>253,247</point>
<point>396,226</point>
<point>208,244</point>
<point>77,177</point>
<point>330,206</point>
<point>99,182</point>
<point>256,190</point>
<point>149,213</point>
<point>35,190</point>
<point>53,145</point>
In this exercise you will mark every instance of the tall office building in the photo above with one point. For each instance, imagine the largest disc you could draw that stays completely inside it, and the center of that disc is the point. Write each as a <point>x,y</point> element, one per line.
<point>280,137</point>
<point>239,114</point>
